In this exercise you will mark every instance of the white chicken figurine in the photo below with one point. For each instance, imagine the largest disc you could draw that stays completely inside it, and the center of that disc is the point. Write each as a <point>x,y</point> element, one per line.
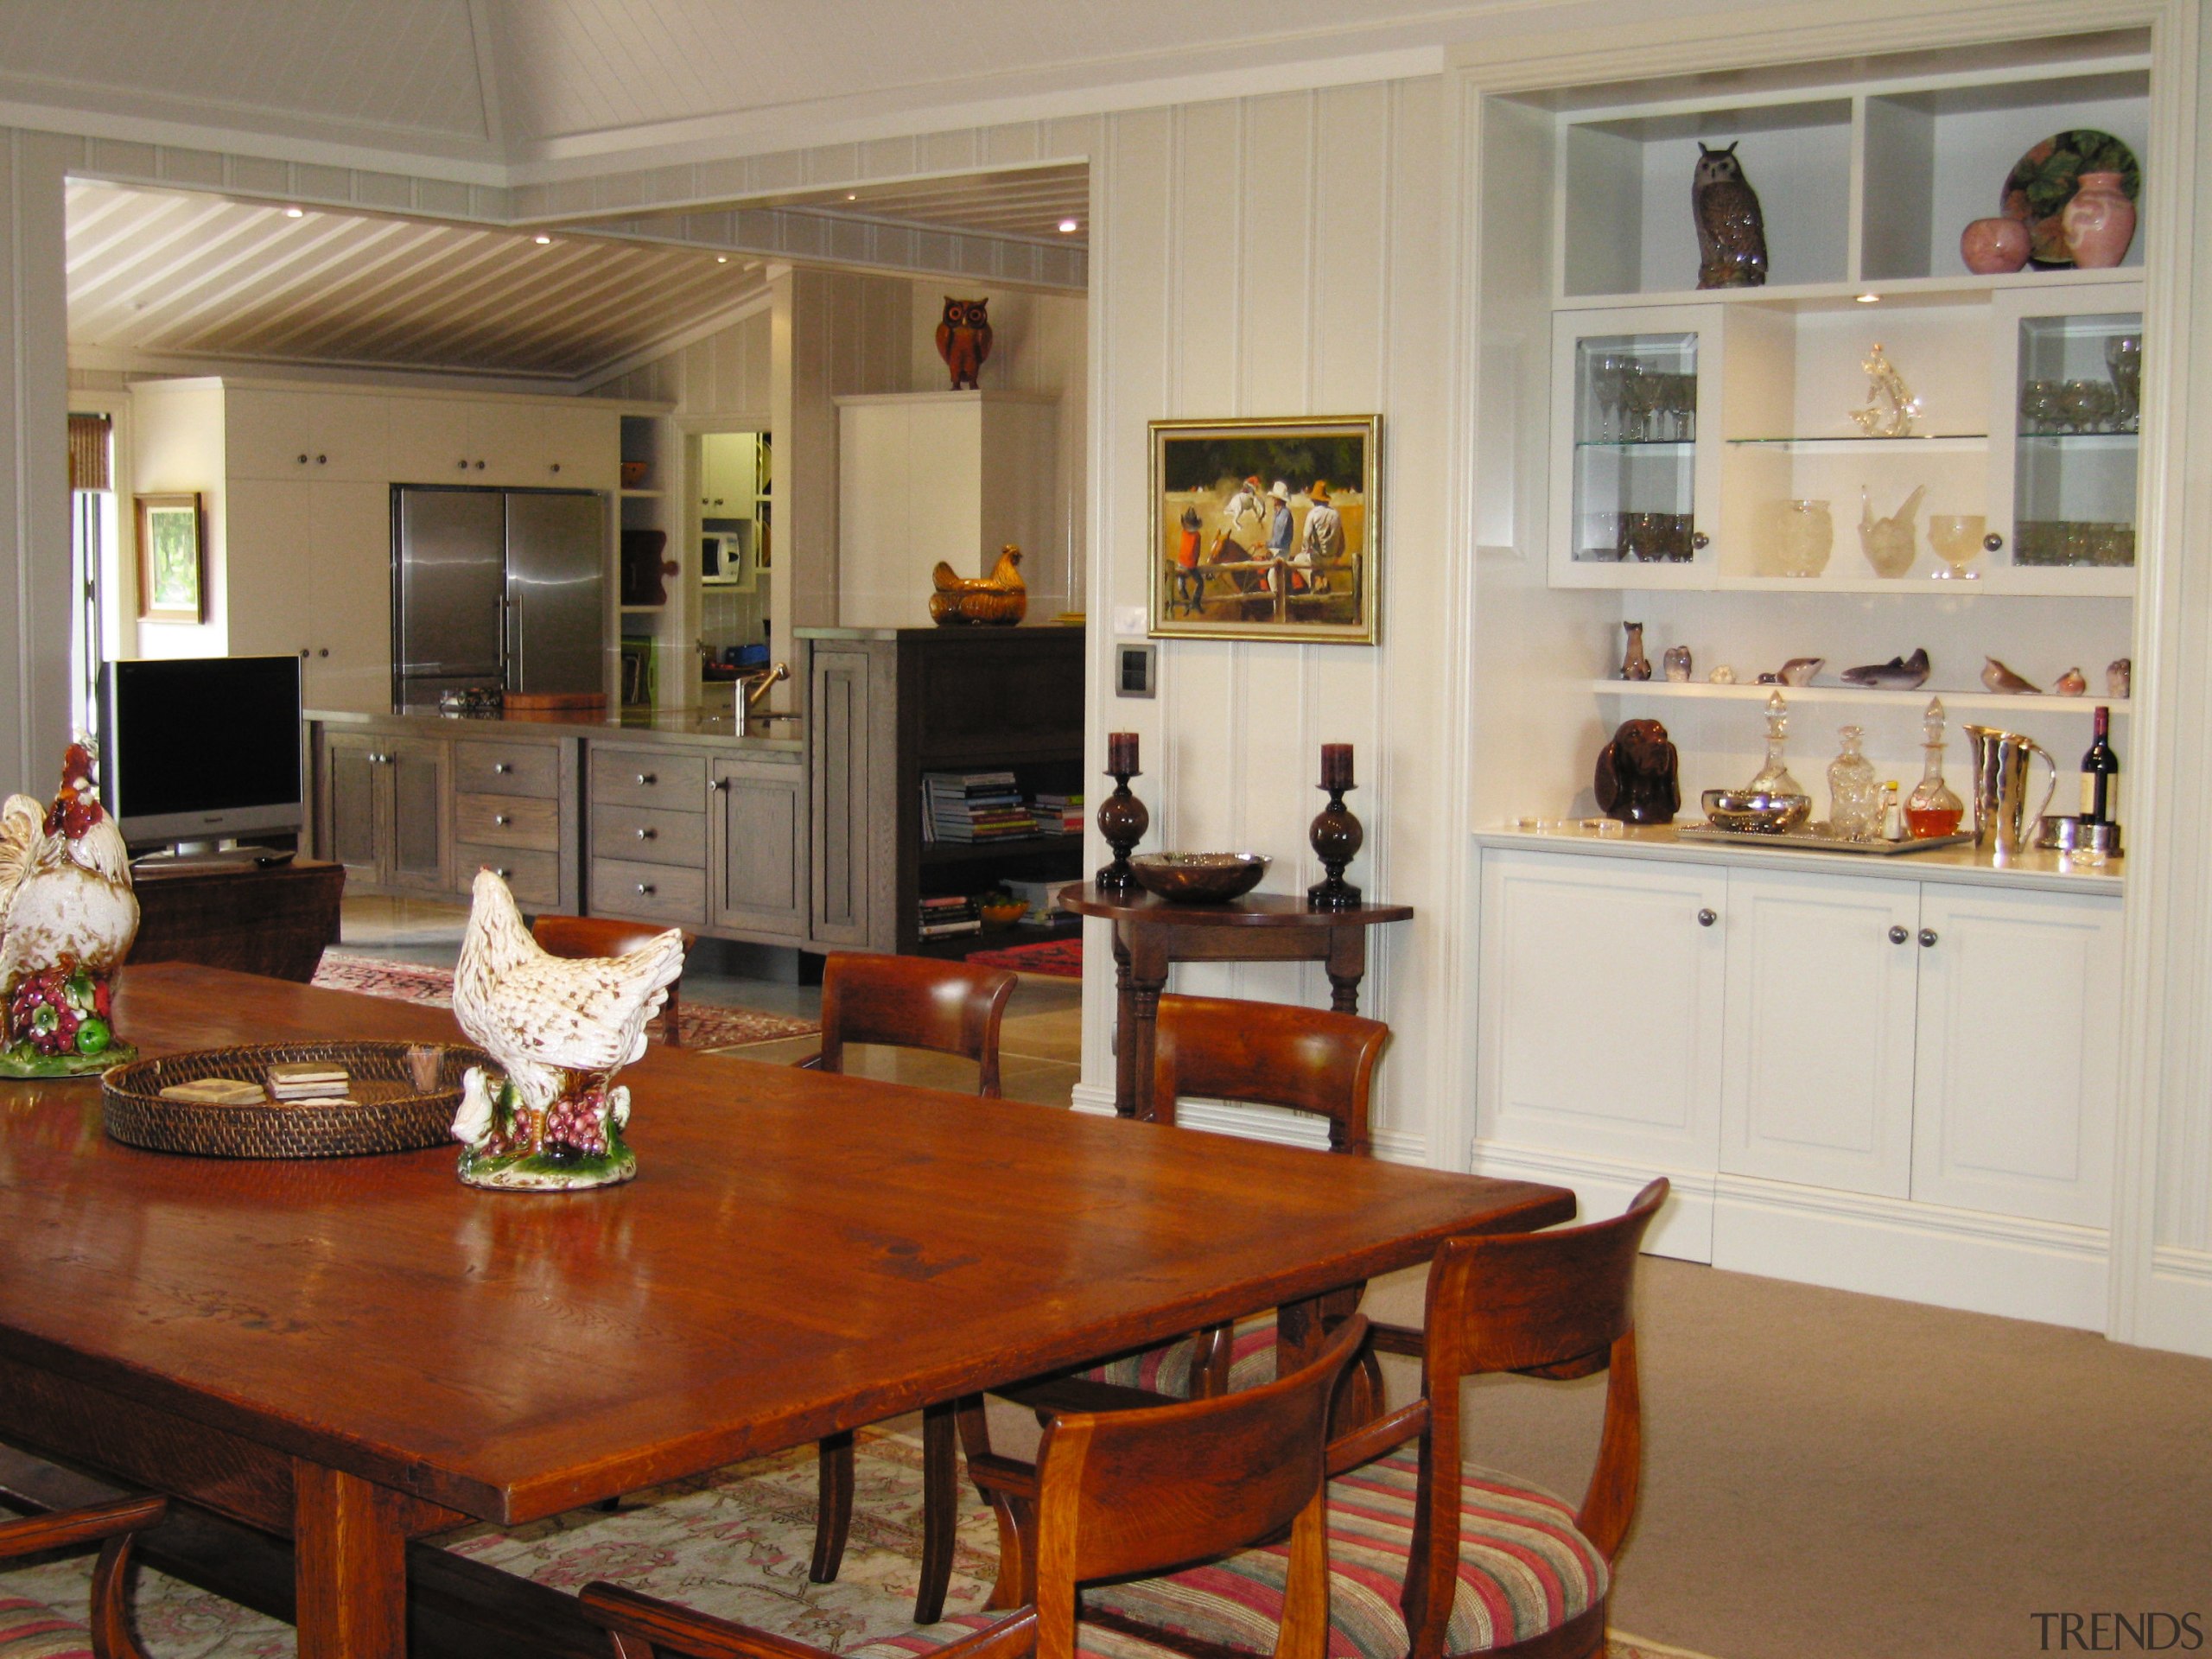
<point>561,1028</point>
<point>67,915</point>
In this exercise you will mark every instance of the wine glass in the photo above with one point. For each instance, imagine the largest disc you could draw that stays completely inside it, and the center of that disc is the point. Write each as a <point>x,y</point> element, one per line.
<point>1956,538</point>
<point>1606,373</point>
<point>2124,362</point>
<point>2039,405</point>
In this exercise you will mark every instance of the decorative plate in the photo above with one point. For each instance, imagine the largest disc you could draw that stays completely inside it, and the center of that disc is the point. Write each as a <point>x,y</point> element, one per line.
<point>2043,181</point>
<point>402,1097</point>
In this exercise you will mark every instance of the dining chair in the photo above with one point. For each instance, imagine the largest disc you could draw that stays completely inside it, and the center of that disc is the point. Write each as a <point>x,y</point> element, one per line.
<point>600,935</point>
<point>1116,1494</point>
<point>948,1007</point>
<point>30,1626</point>
<point>1431,1557</point>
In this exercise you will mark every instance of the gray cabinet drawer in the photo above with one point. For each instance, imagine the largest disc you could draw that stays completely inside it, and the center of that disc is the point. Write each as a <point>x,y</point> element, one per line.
<point>656,893</point>
<point>649,835</point>
<point>480,768</point>
<point>659,777</point>
<point>508,821</point>
<point>534,878</point>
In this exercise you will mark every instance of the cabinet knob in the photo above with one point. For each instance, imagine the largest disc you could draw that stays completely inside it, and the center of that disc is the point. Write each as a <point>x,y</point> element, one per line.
<point>303,651</point>
<point>479,466</point>
<point>501,818</point>
<point>1993,542</point>
<point>303,460</point>
<point>648,779</point>
<point>1708,918</point>
<point>1898,935</point>
<point>556,465</point>
<point>720,785</point>
<point>501,765</point>
<point>504,873</point>
<point>645,887</point>
<point>324,651</point>
<point>1700,540</point>
<point>648,833</point>
<point>462,463</point>
<point>322,461</point>
<point>1926,937</point>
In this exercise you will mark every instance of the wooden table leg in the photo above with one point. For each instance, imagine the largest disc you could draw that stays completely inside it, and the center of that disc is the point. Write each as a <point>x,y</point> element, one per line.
<point>351,1575</point>
<point>1347,966</point>
<point>1125,1076</point>
<point>1148,957</point>
<point>940,1507</point>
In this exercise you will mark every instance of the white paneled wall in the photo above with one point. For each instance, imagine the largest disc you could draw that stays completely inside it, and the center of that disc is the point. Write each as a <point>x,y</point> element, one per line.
<point>1287,256</point>
<point>724,376</point>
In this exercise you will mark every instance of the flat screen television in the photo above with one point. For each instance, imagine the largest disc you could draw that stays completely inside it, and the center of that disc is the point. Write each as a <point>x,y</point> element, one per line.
<point>199,748</point>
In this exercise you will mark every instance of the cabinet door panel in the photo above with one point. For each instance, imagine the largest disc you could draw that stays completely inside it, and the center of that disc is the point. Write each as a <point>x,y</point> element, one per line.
<point>350,536</point>
<point>265,434</point>
<point>430,441</point>
<point>1600,1008</point>
<point>267,582</point>
<point>350,806</point>
<point>421,802</point>
<point>1819,1030</point>
<point>349,438</point>
<point>2019,1053</point>
<point>581,448</point>
<point>761,850</point>
<point>509,439</point>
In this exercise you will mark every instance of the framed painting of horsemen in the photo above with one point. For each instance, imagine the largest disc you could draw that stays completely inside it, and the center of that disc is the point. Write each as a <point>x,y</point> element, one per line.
<point>1267,528</point>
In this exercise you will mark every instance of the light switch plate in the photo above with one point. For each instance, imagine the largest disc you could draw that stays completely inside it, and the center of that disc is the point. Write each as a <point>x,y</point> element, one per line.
<point>1128,618</point>
<point>1136,670</point>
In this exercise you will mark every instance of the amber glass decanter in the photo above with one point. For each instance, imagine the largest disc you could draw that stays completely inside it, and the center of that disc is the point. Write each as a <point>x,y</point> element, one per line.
<point>1932,809</point>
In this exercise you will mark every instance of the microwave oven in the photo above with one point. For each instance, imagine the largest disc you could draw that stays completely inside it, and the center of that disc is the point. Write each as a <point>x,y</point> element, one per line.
<point>722,558</point>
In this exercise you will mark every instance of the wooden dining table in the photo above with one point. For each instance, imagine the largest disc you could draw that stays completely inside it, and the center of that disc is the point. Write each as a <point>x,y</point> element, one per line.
<point>353,1353</point>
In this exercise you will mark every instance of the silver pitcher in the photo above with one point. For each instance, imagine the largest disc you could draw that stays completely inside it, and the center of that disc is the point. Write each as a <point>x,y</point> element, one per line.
<point>2001,817</point>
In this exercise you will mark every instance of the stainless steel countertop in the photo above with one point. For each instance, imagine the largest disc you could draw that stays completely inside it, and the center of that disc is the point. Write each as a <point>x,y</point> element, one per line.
<point>2041,871</point>
<point>694,727</point>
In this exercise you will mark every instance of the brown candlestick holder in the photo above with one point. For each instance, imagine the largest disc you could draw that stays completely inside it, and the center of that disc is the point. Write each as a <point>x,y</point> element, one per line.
<point>1336,835</point>
<point>1122,820</point>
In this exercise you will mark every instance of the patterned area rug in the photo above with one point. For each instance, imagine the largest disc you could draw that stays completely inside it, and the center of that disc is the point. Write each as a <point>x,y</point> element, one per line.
<point>1061,958</point>
<point>703,1026</point>
<point>735,1544</point>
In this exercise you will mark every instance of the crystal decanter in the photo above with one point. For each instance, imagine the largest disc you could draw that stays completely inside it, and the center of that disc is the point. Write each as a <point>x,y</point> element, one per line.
<point>1932,809</point>
<point>1854,793</point>
<point>1774,777</point>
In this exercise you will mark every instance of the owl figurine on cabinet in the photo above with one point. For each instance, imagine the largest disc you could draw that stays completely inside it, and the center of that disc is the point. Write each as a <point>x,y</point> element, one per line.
<point>963,339</point>
<point>1730,228</point>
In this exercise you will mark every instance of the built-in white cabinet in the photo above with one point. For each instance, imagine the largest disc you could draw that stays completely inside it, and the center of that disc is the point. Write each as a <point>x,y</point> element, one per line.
<point>1825,1062</point>
<point>308,568</point>
<point>504,444</point>
<point>303,436</point>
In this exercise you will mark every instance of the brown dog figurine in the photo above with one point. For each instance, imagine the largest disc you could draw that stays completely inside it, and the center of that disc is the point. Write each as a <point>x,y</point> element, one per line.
<point>1637,780</point>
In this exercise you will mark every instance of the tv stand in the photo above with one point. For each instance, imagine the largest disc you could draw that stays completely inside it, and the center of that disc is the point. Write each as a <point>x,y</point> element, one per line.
<point>209,861</point>
<point>223,912</point>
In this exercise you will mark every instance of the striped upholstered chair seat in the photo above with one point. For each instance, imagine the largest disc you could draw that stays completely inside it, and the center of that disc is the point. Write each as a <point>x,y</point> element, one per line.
<point>30,1627</point>
<point>31,1630</point>
<point>1167,1370</point>
<point>1091,1641</point>
<point>1523,1570</point>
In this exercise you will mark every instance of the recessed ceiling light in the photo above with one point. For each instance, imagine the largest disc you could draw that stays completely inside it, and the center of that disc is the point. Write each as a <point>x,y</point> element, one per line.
<point>1069,226</point>
<point>295,212</point>
<point>1869,299</point>
<point>543,241</point>
<point>721,258</point>
<point>853,195</point>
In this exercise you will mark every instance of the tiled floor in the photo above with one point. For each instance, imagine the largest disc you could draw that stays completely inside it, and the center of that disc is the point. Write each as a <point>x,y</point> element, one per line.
<point>1041,1046</point>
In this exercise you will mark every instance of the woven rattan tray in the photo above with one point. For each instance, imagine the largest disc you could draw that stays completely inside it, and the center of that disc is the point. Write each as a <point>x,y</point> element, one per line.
<point>390,1109</point>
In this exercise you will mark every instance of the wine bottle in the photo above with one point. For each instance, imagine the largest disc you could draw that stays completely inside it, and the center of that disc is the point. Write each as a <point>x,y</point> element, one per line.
<point>2100,771</point>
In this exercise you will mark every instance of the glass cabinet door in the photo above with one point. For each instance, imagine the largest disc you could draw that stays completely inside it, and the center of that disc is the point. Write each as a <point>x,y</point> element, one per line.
<point>1628,484</point>
<point>2078,395</point>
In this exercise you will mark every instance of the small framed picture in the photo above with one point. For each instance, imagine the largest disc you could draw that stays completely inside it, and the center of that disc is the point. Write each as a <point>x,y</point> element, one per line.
<point>172,559</point>
<point>1267,528</point>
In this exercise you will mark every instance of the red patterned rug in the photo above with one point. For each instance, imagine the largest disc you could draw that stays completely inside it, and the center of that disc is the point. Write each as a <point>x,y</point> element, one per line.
<point>703,1026</point>
<point>1061,958</point>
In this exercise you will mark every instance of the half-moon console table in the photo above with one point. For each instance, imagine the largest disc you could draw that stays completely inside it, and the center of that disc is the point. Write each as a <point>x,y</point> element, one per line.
<point>1150,932</point>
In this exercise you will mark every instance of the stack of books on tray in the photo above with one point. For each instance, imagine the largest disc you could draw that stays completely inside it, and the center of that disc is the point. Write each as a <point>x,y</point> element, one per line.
<point>1057,815</point>
<point>974,806</point>
<point>953,913</point>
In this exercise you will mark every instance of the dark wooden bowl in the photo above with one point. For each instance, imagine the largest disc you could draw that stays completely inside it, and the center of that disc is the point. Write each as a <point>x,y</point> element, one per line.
<point>1199,878</point>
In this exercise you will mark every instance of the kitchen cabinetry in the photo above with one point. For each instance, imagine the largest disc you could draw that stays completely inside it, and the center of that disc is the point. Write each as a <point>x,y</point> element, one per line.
<point>308,568</point>
<point>1836,1068</point>
<point>514,810</point>
<point>759,841</point>
<point>385,801</point>
<point>268,434</point>
<point>503,444</point>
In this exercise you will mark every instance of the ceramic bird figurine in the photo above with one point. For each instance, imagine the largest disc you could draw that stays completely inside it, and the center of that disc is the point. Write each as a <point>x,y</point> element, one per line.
<point>1798,671</point>
<point>1899,674</point>
<point>1998,677</point>
<point>561,1028</point>
<point>1730,225</point>
<point>67,917</point>
<point>2072,683</point>
<point>1000,597</point>
<point>964,339</point>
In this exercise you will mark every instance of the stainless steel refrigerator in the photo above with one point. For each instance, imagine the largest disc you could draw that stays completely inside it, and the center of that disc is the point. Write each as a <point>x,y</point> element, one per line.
<point>504,587</point>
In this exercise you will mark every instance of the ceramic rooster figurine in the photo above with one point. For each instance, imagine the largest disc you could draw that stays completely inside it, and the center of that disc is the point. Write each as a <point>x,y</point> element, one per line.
<point>67,915</point>
<point>1001,597</point>
<point>561,1028</point>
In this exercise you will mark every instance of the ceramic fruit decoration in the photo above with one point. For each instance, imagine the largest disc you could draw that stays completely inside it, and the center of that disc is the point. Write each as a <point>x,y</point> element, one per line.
<point>1993,247</point>
<point>561,1028</point>
<point>1001,598</point>
<point>2045,180</point>
<point>1730,225</point>
<point>67,915</point>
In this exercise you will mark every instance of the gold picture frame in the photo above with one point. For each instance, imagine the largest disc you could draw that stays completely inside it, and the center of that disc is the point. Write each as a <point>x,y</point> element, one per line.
<point>1225,565</point>
<point>172,558</point>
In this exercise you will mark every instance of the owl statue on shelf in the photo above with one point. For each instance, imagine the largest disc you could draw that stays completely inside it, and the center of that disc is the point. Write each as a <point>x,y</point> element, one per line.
<point>1731,229</point>
<point>963,339</point>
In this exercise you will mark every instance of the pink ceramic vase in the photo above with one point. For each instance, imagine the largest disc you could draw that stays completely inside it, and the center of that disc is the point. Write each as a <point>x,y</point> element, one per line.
<point>1992,246</point>
<point>2100,222</point>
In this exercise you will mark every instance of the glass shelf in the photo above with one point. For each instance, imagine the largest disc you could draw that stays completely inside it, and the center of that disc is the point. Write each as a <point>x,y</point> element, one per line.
<point>1865,446</point>
<point>2080,442</point>
<point>1664,445</point>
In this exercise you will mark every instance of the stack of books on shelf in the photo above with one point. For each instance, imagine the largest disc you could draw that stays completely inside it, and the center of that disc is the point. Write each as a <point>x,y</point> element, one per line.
<point>952,913</point>
<point>974,806</point>
<point>1057,815</point>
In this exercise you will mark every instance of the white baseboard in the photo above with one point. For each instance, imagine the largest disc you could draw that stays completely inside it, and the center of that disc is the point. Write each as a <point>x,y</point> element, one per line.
<point>1094,1098</point>
<point>1603,1187</point>
<point>2175,1310</point>
<point>1269,1123</point>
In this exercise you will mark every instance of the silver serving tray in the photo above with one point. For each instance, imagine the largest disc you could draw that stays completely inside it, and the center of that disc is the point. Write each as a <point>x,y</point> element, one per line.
<point>1807,841</point>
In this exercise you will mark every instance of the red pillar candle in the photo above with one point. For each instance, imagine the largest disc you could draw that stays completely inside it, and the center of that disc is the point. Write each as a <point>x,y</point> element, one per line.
<point>1336,765</point>
<point>1121,752</point>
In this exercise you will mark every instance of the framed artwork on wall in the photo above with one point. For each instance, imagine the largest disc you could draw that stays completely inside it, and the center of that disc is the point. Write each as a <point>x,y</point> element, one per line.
<point>1267,528</point>
<point>172,559</point>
